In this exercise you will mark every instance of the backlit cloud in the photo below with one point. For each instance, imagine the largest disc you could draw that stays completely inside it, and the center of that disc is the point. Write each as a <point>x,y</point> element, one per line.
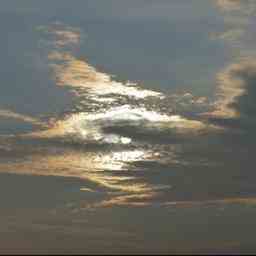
<point>235,105</point>
<point>63,36</point>
<point>24,118</point>
<point>230,4</point>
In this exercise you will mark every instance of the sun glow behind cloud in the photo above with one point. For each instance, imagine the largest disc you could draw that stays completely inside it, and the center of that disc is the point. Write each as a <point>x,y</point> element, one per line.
<point>148,115</point>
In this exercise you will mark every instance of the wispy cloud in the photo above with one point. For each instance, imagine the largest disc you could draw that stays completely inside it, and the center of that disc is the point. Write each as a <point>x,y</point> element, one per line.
<point>230,5</point>
<point>25,118</point>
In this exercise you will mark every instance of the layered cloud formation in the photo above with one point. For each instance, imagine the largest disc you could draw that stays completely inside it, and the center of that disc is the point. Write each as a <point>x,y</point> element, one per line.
<point>235,104</point>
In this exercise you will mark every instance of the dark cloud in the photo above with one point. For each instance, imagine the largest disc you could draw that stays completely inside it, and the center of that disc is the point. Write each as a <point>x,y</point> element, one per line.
<point>236,106</point>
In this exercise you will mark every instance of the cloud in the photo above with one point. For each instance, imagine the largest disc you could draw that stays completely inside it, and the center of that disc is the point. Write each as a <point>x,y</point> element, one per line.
<point>229,5</point>
<point>62,36</point>
<point>239,22</point>
<point>233,35</point>
<point>25,118</point>
<point>131,128</point>
<point>236,95</point>
<point>246,7</point>
<point>78,74</point>
<point>236,103</point>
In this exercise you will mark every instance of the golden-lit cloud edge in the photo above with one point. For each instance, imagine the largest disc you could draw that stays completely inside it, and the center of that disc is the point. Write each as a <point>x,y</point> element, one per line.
<point>234,83</point>
<point>88,127</point>
<point>229,5</point>
<point>8,114</point>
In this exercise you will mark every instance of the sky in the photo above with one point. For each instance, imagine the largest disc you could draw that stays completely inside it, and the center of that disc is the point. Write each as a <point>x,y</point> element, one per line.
<point>128,122</point>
